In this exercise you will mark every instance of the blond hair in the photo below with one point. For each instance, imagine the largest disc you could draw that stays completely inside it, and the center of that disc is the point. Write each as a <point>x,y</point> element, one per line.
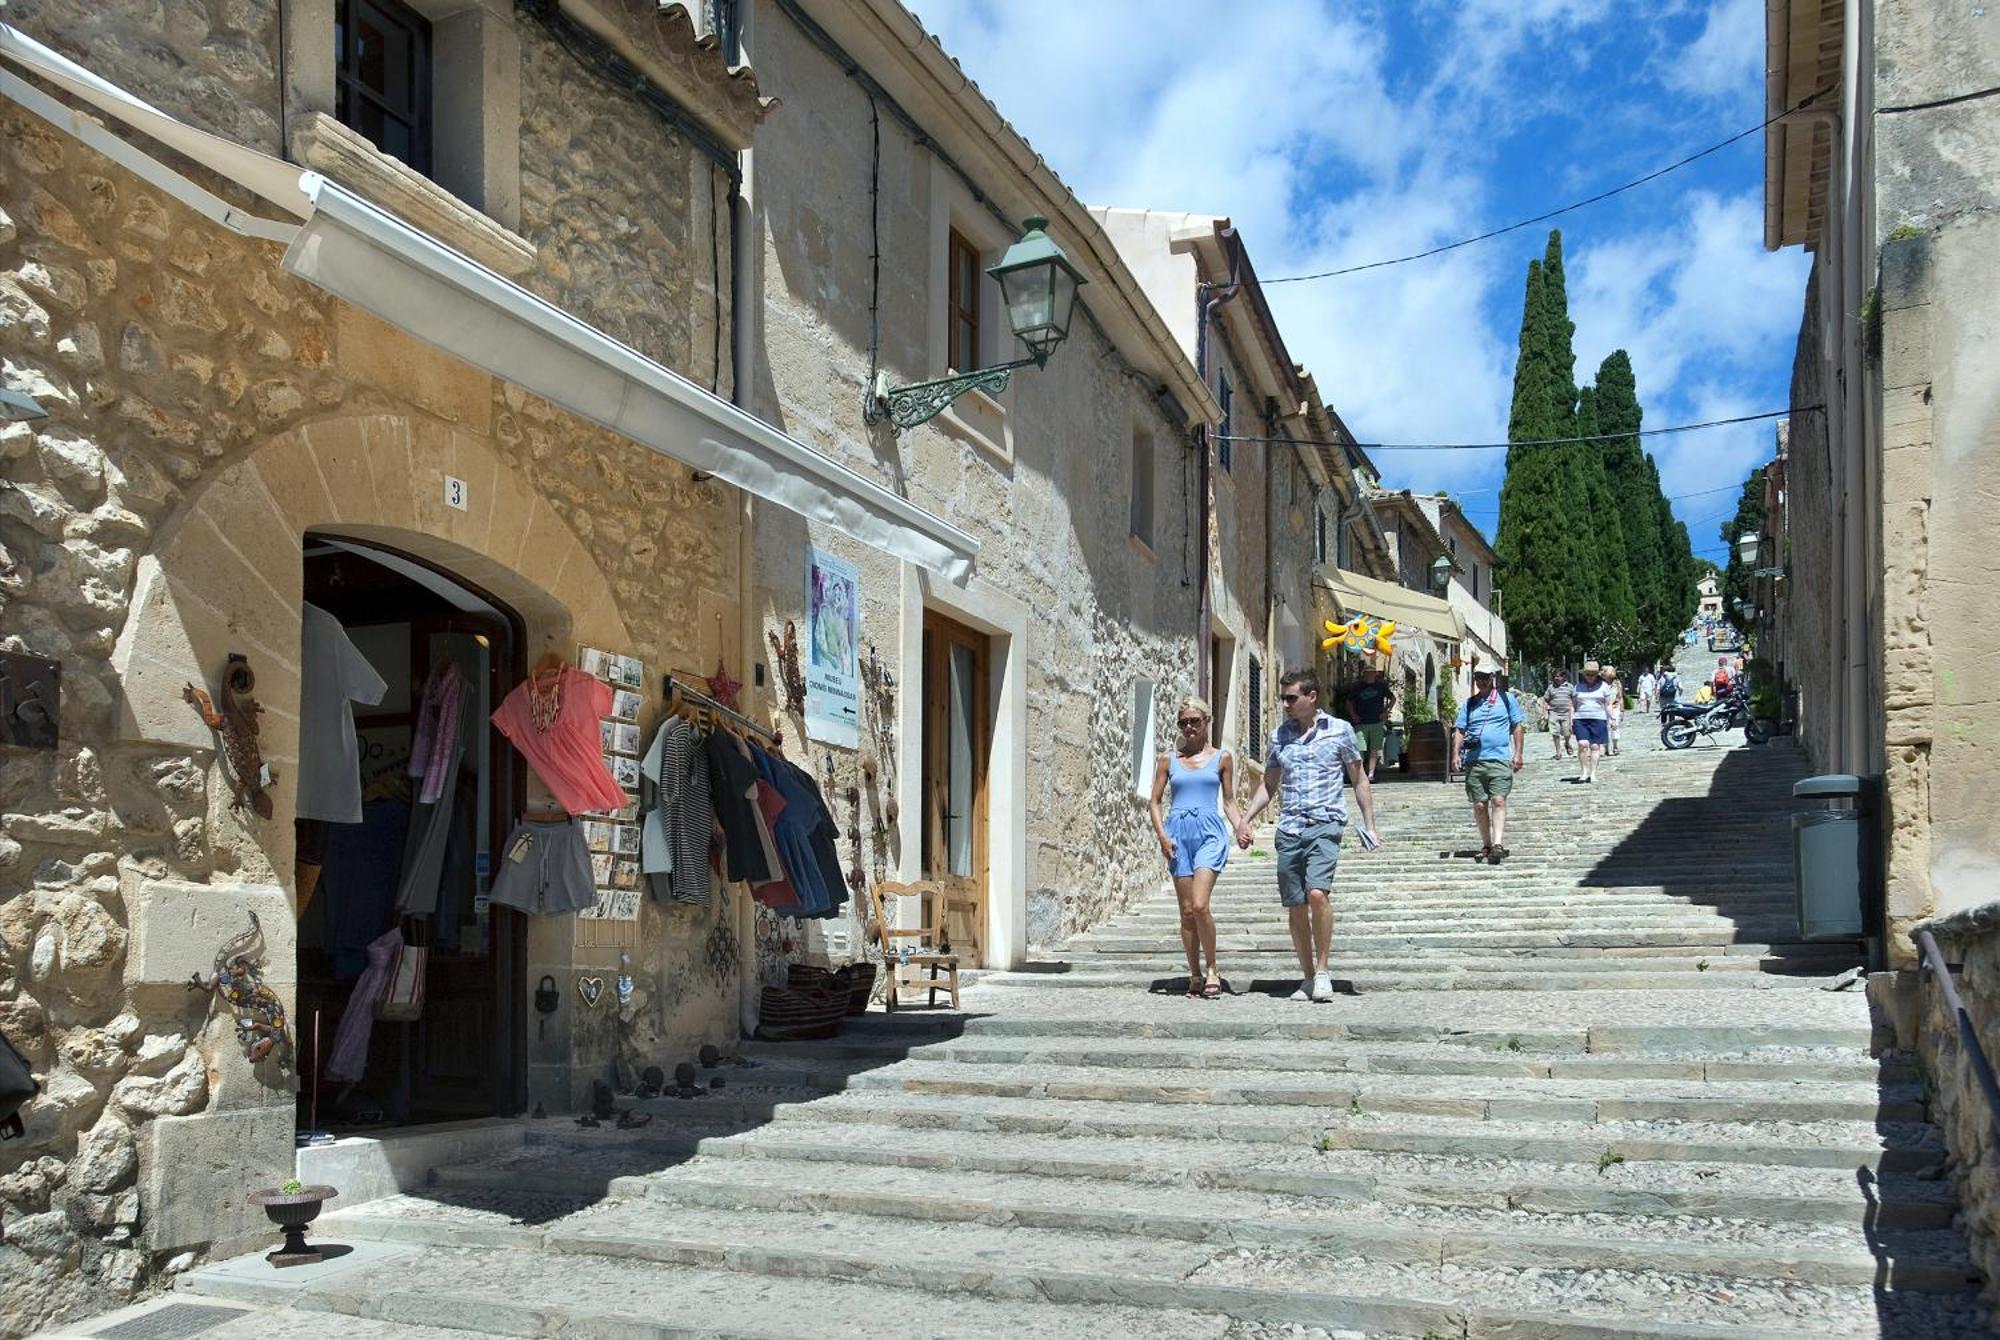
<point>1197,706</point>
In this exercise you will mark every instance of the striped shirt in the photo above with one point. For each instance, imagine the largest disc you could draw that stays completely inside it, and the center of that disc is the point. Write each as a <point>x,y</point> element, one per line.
<point>1312,778</point>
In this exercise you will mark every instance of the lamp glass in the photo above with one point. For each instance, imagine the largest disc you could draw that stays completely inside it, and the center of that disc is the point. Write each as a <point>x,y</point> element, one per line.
<point>1440,570</point>
<point>1746,547</point>
<point>1038,285</point>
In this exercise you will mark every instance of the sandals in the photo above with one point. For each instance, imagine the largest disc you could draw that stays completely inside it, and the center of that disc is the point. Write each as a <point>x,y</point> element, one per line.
<point>1497,853</point>
<point>1211,991</point>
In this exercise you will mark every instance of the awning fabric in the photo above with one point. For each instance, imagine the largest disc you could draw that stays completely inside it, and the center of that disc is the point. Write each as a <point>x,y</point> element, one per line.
<point>366,256</point>
<point>1355,595</point>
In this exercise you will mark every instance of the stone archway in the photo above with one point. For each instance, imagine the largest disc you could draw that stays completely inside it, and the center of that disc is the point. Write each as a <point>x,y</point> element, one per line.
<point>226,573</point>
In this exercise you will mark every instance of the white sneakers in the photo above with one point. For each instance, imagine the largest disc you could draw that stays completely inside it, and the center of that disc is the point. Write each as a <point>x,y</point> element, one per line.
<point>1305,991</point>
<point>1318,987</point>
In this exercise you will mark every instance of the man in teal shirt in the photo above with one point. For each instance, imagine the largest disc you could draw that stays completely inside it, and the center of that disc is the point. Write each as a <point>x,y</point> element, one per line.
<point>1488,739</point>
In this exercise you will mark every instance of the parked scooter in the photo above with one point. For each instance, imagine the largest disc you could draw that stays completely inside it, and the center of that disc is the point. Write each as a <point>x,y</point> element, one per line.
<point>1682,723</point>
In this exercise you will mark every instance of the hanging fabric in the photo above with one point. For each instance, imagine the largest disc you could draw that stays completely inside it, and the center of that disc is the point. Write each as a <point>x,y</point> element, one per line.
<point>439,752</point>
<point>437,730</point>
<point>732,791</point>
<point>349,1059</point>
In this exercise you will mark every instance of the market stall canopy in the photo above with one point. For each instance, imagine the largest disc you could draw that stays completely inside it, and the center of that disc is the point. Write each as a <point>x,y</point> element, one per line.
<point>367,257</point>
<point>1356,595</point>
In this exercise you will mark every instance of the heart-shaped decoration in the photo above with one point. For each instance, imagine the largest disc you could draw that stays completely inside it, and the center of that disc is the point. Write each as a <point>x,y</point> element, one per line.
<point>591,989</point>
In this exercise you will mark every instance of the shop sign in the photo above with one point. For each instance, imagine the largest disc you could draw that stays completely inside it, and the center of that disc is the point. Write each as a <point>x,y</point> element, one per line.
<point>832,659</point>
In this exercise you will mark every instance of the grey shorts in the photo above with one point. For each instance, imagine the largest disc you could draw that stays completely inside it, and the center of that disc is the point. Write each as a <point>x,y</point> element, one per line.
<point>1306,861</point>
<point>545,869</point>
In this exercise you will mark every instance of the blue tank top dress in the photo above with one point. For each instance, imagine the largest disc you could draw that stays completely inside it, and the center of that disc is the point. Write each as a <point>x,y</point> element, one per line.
<point>1194,821</point>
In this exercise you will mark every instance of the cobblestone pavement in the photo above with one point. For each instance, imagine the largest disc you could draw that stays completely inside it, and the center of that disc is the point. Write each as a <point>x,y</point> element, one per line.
<point>1595,1091</point>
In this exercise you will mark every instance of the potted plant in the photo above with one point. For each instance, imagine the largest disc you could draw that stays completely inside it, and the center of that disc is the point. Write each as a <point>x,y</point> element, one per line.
<point>291,1207</point>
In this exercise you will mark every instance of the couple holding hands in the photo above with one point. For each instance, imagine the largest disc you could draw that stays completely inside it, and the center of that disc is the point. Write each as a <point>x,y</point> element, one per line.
<point>1312,759</point>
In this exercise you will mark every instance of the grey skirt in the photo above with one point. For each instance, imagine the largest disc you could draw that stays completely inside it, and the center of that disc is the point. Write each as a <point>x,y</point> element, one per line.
<point>545,869</point>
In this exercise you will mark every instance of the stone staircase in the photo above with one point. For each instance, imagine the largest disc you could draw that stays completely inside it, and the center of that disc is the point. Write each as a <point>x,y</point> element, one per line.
<point>1594,1092</point>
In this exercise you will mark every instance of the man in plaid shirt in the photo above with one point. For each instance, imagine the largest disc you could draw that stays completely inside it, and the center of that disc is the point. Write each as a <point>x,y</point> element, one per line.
<point>1313,757</point>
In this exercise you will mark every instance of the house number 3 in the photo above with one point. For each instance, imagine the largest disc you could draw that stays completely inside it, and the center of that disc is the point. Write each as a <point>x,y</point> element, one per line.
<point>454,493</point>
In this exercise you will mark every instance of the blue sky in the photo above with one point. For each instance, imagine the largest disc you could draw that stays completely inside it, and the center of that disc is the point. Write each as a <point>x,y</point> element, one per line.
<point>1338,133</point>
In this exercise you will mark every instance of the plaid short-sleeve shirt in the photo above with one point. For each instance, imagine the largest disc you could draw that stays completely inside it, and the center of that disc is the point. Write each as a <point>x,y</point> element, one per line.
<point>1312,779</point>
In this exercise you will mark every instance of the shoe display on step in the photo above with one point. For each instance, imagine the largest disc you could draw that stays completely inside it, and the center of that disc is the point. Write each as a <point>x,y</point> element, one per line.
<point>1305,991</point>
<point>1322,988</point>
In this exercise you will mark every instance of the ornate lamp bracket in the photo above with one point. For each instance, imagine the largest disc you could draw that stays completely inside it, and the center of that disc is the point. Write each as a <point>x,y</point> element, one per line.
<point>905,407</point>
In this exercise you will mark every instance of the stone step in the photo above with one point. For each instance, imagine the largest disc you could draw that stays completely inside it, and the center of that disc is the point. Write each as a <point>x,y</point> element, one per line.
<point>1286,1024</point>
<point>1848,1144</point>
<point>1472,914</point>
<point>459,1291</point>
<point>1285,1283</point>
<point>1271,961</point>
<point>1509,1056</point>
<point>1363,941</point>
<point>1496,1098</point>
<point>1368,974</point>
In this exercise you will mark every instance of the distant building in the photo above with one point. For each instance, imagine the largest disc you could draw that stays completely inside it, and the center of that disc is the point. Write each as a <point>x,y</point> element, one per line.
<point>1710,605</point>
<point>1470,592</point>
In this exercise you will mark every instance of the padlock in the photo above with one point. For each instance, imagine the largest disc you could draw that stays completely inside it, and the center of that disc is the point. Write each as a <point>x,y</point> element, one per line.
<point>547,1001</point>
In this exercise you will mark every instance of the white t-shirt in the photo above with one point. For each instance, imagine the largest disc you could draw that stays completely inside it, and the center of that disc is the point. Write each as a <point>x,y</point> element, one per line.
<point>1593,704</point>
<point>334,677</point>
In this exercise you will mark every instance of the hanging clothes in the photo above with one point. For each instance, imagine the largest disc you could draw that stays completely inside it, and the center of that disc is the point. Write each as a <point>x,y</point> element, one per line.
<point>825,840</point>
<point>553,719</point>
<point>357,884</point>
<point>656,839</point>
<point>780,894</point>
<point>686,817</point>
<point>442,751</point>
<point>333,676</point>
<point>545,869</point>
<point>732,790</point>
<point>349,1059</point>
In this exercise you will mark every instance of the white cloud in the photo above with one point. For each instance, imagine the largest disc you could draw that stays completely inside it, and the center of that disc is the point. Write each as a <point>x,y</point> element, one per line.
<point>1727,60</point>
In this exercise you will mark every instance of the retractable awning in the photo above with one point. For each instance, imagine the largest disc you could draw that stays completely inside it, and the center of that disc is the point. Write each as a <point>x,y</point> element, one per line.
<point>367,257</point>
<point>1355,595</point>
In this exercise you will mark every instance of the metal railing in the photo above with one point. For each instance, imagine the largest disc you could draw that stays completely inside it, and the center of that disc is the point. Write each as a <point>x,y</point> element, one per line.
<point>1968,1036</point>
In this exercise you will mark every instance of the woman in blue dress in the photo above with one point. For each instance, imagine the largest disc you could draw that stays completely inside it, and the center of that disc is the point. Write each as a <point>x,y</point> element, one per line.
<point>1197,783</point>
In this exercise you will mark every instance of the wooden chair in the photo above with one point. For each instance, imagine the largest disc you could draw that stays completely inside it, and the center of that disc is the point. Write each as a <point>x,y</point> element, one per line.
<point>925,943</point>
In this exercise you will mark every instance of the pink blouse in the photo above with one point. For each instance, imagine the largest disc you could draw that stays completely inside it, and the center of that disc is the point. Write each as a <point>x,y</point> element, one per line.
<point>569,755</point>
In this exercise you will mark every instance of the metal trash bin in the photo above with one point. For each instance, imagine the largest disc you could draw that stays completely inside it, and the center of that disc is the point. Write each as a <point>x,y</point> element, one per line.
<point>1826,859</point>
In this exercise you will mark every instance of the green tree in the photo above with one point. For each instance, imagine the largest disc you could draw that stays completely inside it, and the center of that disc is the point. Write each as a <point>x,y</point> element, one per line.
<point>1635,493</point>
<point>1678,571</point>
<point>1738,590</point>
<point>1544,535</point>
<point>1615,630</point>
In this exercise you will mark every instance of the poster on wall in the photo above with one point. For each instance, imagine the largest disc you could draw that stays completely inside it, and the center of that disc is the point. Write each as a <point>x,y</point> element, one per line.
<point>613,835</point>
<point>832,651</point>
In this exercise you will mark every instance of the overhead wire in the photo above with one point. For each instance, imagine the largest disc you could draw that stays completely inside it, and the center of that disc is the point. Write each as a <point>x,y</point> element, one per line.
<point>1546,215</point>
<point>1529,442</point>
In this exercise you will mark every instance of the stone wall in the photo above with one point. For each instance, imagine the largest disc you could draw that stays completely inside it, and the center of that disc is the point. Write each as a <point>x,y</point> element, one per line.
<point>1958,1105</point>
<point>1052,519</point>
<point>1812,506</point>
<point>204,411</point>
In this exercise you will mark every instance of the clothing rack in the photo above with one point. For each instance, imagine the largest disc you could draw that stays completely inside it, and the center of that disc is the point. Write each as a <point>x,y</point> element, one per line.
<point>669,689</point>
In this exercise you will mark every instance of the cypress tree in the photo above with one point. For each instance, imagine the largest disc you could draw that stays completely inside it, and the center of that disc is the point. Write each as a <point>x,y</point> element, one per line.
<point>1736,582</point>
<point>1544,535</point>
<point>1635,495</point>
<point>1615,629</point>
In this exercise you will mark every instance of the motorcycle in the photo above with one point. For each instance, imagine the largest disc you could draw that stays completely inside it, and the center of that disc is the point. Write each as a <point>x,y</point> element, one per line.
<point>1682,723</point>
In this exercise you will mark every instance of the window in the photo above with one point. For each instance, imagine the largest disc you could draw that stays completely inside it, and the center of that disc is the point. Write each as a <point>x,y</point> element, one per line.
<point>962,349</point>
<point>1255,739</point>
<point>382,54</point>
<point>1224,396</point>
<point>1144,730</point>
<point>1319,535</point>
<point>1142,486</point>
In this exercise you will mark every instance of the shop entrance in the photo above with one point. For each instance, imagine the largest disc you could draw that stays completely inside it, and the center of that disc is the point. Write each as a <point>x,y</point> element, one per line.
<point>416,857</point>
<point>957,743</point>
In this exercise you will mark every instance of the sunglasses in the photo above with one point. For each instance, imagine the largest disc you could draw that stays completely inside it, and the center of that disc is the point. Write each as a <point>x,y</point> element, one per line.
<point>1192,723</point>
<point>1290,698</point>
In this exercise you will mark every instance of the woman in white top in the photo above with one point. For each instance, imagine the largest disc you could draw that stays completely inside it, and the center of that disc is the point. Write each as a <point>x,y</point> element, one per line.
<point>1593,721</point>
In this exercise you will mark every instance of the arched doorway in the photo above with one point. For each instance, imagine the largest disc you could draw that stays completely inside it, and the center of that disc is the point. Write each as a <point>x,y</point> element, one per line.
<point>406,792</point>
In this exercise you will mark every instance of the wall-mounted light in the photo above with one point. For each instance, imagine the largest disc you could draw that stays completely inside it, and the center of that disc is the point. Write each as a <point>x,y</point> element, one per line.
<point>1038,286</point>
<point>19,407</point>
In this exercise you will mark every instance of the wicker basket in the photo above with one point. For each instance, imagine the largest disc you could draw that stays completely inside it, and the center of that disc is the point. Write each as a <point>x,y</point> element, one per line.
<point>786,1015</point>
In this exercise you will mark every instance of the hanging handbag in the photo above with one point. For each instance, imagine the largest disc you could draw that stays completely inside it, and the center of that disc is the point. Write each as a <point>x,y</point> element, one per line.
<point>403,993</point>
<point>17,1086</point>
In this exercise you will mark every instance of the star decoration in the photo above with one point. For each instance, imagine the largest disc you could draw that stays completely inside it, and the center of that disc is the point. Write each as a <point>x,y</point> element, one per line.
<point>722,687</point>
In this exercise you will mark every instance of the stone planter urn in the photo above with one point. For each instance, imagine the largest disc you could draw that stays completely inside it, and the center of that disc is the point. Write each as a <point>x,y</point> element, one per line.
<point>292,1211</point>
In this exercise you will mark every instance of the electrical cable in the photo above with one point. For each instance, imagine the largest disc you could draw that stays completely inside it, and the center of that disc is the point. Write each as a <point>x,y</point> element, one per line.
<point>1544,217</point>
<point>1531,442</point>
<point>1940,102</point>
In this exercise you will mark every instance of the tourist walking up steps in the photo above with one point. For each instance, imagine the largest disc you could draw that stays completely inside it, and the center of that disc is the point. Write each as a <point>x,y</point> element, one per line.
<point>1648,687</point>
<point>1593,721</point>
<point>1560,699</point>
<point>1370,703</point>
<point>1491,740</point>
<point>1312,758</point>
<point>1201,781</point>
<point>1614,709</point>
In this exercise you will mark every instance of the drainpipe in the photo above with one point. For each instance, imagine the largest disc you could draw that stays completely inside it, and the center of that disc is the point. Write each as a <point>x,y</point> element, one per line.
<point>1205,672</point>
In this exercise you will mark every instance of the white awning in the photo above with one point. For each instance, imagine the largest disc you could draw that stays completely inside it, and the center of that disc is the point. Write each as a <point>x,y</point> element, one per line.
<point>367,257</point>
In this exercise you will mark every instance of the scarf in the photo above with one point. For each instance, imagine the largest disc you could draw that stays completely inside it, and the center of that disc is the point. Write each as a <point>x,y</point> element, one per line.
<point>437,731</point>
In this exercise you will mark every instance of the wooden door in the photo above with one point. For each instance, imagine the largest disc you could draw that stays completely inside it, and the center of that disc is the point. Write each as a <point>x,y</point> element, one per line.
<point>957,744</point>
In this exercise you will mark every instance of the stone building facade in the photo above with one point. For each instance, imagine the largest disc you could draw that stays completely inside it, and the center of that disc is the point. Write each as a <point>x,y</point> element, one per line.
<point>219,418</point>
<point>1889,178</point>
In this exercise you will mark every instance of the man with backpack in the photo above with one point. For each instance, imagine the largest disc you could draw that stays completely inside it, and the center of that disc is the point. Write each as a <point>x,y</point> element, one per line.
<point>1490,739</point>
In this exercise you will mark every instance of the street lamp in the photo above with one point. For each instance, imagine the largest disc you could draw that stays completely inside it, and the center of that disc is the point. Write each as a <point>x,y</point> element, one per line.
<point>1038,286</point>
<point>1441,568</point>
<point>1746,548</point>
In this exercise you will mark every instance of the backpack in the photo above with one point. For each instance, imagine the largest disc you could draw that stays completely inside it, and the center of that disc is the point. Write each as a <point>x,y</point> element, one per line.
<point>17,1086</point>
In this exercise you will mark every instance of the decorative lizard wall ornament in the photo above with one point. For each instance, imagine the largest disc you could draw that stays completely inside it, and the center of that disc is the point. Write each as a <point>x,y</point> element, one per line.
<point>239,981</point>
<point>237,724</point>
